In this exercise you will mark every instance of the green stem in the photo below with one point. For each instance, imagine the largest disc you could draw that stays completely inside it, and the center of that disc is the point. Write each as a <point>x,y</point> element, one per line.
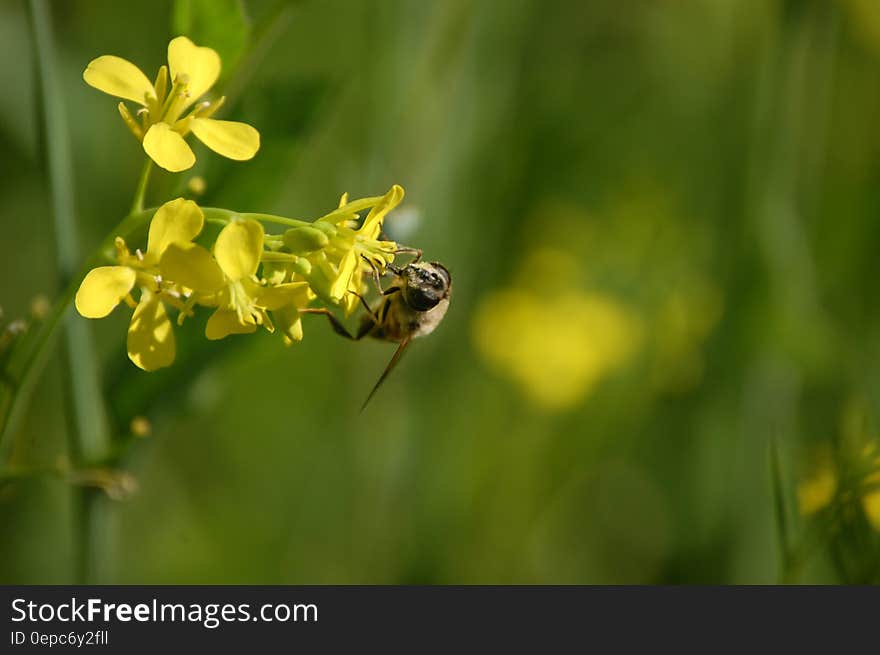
<point>138,204</point>
<point>87,429</point>
<point>278,220</point>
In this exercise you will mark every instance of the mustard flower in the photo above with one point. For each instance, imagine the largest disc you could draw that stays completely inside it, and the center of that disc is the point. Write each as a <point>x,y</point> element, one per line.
<point>817,491</point>
<point>249,278</point>
<point>843,480</point>
<point>338,267</point>
<point>228,280</point>
<point>555,339</point>
<point>150,335</point>
<point>559,346</point>
<point>191,71</point>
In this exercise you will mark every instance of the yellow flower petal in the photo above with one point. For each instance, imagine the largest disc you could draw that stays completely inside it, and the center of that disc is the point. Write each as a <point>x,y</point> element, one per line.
<point>102,289</point>
<point>168,149</point>
<point>273,298</point>
<point>238,249</point>
<point>224,322</point>
<point>871,505</point>
<point>119,77</point>
<point>177,221</point>
<point>192,266</point>
<point>237,141</point>
<point>201,66</point>
<point>290,323</point>
<point>373,222</point>
<point>350,303</point>
<point>343,276</point>
<point>150,336</point>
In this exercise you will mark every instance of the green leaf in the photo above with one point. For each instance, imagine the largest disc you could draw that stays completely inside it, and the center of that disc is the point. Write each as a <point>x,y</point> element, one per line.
<point>219,24</point>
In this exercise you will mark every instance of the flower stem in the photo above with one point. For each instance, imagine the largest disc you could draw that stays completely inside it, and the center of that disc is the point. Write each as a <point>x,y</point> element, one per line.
<point>278,220</point>
<point>137,204</point>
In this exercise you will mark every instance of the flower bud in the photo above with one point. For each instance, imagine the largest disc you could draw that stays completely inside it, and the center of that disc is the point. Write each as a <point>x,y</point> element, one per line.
<point>303,240</point>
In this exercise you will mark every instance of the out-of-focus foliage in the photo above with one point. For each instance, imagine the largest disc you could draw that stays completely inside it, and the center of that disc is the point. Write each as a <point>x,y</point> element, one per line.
<point>219,24</point>
<point>662,219</point>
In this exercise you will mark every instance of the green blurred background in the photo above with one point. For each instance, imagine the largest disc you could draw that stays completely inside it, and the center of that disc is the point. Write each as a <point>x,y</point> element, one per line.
<point>661,217</point>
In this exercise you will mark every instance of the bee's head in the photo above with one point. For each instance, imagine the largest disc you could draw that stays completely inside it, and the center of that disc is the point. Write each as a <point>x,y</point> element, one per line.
<point>425,285</point>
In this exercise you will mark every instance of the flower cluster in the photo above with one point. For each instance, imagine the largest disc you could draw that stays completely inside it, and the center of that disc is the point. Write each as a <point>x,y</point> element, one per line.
<point>160,124</point>
<point>250,278</point>
<point>842,480</point>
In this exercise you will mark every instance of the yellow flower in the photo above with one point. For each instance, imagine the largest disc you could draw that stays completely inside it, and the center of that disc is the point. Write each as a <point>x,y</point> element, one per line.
<point>193,71</point>
<point>817,491</point>
<point>339,267</point>
<point>558,347</point>
<point>150,336</point>
<point>871,506</point>
<point>228,280</point>
<point>846,476</point>
<point>289,317</point>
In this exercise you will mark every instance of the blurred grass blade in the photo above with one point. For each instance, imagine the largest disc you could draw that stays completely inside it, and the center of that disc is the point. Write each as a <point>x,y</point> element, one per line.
<point>780,510</point>
<point>86,407</point>
<point>87,421</point>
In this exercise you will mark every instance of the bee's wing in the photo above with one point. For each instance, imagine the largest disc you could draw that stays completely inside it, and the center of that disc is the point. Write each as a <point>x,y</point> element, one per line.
<point>394,359</point>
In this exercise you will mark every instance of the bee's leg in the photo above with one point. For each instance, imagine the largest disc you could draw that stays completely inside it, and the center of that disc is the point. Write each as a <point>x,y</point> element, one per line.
<point>367,326</point>
<point>376,279</point>
<point>338,327</point>
<point>366,305</point>
<point>404,250</point>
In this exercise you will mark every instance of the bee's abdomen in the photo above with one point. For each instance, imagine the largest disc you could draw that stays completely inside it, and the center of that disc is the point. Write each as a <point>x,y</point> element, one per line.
<point>389,327</point>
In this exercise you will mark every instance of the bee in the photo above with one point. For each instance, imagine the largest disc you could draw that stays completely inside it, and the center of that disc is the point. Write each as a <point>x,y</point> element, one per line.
<point>411,307</point>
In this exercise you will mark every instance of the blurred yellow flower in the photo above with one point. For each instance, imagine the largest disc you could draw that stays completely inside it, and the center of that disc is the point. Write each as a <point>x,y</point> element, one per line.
<point>162,126</point>
<point>150,335</point>
<point>644,244</point>
<point>848,475</point>
<point>871,507</point>
<point>822,488</point>
<point>556,346</point>
<point>871,502</point>
<point>817,491</point>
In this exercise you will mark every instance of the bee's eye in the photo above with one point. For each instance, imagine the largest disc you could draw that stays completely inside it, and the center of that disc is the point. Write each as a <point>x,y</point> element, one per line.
<point>421,299</point>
